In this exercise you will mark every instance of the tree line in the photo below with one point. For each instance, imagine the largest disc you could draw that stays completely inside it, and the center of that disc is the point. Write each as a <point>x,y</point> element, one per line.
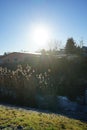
<point>71,47</point>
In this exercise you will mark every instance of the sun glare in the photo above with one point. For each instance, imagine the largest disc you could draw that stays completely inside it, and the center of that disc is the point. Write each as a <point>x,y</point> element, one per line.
<point>40,35</point>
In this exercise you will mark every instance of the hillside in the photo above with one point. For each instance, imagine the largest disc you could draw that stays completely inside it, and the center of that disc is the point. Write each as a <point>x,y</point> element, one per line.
<point>14,118</point>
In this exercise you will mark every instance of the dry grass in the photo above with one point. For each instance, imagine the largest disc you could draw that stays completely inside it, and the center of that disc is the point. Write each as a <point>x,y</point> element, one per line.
<point>32,120</point>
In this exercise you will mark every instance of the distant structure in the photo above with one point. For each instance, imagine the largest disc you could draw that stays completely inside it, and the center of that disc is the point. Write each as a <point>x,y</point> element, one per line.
<point>84,49</point>
<point>17,57</point>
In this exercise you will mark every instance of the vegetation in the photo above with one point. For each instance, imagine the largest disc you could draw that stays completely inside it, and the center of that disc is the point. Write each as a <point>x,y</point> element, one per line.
<point>51,77</point>
<point>44,76</point>
<point>32,120</point>
<point>70,46</point>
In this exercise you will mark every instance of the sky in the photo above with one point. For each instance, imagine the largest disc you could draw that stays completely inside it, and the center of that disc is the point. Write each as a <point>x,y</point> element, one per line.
<point>63,19</point>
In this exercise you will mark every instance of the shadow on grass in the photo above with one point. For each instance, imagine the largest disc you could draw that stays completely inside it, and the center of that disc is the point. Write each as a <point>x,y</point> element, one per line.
<point>78,115</point>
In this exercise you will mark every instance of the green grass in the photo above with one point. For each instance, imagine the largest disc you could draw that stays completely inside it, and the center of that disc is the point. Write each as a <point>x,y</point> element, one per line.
<point>32,120</point>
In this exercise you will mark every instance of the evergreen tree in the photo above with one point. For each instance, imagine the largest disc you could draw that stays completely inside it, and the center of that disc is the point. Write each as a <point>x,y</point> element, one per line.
<point>70,46</point>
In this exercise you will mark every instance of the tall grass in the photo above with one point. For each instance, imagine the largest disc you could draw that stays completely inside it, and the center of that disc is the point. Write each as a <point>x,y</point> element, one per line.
<point>61,77</point>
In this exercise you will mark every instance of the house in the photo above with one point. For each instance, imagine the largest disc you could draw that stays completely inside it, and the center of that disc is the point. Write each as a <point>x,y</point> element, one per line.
<point>17,57</point>
<point>84,49</point>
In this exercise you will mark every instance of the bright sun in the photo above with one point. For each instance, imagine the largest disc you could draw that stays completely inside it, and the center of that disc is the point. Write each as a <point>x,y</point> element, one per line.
<point>40,35</point>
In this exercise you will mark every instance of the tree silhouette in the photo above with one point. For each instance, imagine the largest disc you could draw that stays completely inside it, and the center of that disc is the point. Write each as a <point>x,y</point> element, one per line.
<point>70,46</point>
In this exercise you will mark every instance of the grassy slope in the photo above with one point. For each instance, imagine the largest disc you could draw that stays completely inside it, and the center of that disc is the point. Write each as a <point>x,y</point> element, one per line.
<point>31,120</point>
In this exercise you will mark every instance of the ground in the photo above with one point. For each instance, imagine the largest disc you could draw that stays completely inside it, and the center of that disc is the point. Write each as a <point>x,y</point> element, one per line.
<point>16,118</point>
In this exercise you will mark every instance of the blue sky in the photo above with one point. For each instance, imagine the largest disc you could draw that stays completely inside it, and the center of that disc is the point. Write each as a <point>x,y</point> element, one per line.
<point>65,18</point>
